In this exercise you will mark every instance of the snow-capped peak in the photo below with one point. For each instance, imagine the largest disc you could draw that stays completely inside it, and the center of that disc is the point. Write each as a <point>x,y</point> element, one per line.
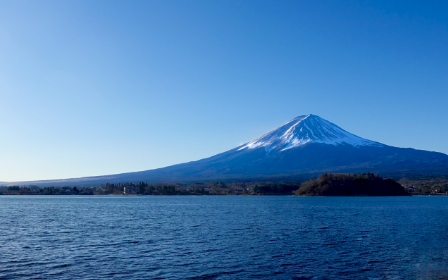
<point>307,129</point>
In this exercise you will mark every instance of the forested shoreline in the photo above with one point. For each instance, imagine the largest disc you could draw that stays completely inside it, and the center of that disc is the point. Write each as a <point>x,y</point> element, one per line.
<point>351,185</point>
<point>315,186</point>
<point>143,188</point>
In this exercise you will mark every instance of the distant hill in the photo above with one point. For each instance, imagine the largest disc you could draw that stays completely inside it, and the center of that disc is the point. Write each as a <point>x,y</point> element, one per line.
<point>303,147</point>
<point>351,185</point>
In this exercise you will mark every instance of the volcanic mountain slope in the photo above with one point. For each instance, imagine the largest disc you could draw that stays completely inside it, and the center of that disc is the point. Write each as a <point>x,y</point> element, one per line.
<point>305,145</point>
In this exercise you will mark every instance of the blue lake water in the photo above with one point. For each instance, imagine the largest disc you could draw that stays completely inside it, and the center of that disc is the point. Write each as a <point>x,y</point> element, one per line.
<point>225,237</point>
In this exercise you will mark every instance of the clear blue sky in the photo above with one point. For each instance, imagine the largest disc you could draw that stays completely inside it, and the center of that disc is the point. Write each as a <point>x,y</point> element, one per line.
<point>104,87</point>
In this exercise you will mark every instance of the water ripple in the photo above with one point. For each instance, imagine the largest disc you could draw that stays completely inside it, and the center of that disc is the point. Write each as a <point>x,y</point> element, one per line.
<point>223,238</point>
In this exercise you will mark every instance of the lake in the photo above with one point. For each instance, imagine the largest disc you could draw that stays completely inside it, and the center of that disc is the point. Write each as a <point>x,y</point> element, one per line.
<point>223,237</point>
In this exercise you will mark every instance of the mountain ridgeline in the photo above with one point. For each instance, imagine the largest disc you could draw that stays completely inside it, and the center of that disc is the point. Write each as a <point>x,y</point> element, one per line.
<point>351,185</point>
<point>302,148</point>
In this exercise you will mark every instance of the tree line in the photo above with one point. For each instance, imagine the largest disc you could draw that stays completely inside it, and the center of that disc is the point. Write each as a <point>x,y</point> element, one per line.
<point>144,188</point>
<point>350,184</point>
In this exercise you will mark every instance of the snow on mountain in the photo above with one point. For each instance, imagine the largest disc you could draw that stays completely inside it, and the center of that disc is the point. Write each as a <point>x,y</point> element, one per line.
<point>305,130</point>
<point>303,147</point>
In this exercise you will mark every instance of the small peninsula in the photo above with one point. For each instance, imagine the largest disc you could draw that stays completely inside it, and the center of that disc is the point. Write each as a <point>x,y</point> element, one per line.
<point>351,185</point>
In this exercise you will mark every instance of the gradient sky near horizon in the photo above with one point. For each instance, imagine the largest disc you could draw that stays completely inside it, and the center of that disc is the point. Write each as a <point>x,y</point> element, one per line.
<point>103,87</point>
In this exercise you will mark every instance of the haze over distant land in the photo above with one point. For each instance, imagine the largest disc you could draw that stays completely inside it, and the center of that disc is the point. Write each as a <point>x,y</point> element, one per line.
<point>105,87</point>
<point>305,146</point>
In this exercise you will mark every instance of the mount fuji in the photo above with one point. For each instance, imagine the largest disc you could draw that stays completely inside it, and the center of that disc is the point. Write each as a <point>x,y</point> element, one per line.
<point>305,130</point>
<point>305,146</point>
